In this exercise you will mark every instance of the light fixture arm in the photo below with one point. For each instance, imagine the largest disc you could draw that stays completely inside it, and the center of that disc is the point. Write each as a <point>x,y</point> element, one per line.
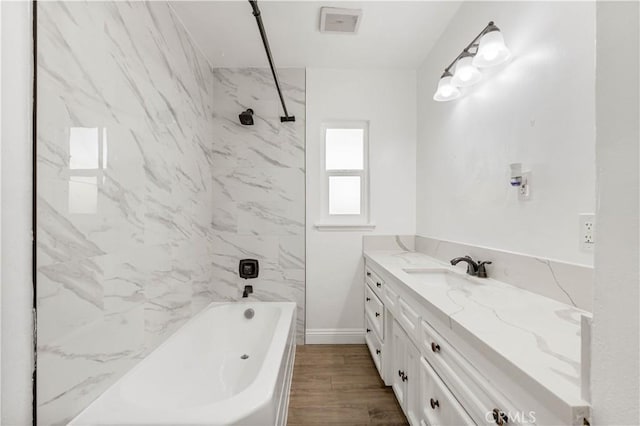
<point>474,43</point>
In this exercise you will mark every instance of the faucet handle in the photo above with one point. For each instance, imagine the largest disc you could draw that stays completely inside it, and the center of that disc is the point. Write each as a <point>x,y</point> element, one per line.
<point>482,270</point>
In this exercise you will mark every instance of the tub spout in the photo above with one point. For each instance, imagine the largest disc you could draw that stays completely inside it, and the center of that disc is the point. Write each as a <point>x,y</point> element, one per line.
<point>248,289</point>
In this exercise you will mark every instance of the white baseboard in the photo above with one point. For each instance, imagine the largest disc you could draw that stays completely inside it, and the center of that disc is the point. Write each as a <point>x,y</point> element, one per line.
<point>326,336</point>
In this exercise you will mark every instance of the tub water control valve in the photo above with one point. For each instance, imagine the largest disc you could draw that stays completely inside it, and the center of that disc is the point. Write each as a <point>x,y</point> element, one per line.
<point>248,268</point>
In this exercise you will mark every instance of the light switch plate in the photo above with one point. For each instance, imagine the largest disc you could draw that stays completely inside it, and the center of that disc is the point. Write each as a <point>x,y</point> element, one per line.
<point>587,231</point>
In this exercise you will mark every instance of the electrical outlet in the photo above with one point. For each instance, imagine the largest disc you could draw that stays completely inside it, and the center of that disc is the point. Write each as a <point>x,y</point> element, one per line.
<point>587,231</point>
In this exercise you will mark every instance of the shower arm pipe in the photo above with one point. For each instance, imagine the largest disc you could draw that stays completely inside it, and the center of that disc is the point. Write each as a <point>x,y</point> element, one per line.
<point>474,43</point>
<point>263,34</point>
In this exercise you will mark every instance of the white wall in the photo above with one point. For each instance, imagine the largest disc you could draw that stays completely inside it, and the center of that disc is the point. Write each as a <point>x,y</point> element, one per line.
<point>538,109</point>
<point>0,212</point>
<point>615,370</point>
<point>17,287</point>
<point>387,99</point>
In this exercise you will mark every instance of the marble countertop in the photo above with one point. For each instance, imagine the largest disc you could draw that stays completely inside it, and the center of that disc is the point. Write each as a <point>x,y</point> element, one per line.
<point>532,334</point>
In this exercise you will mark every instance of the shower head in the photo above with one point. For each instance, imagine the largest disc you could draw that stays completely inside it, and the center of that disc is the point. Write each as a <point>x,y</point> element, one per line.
<point>246,117</point>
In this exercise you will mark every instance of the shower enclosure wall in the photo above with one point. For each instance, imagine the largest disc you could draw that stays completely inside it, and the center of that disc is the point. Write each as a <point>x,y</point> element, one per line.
<point>259,186</point>
<point>149,191</point>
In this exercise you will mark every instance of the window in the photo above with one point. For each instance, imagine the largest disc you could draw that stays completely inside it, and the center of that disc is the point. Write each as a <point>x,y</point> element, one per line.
<point>345,183</point>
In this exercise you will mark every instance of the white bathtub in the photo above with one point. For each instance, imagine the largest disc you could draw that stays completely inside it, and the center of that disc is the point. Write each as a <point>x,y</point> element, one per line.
<point>199,376</point>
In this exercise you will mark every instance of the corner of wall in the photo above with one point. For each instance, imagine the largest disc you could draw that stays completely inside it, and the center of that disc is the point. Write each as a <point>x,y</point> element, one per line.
<point>615,366</point>
<point>17,282</point>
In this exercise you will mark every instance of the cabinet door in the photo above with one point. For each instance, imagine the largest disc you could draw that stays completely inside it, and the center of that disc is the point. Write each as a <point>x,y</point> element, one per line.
<point>439,406</point>
<point>412,396</point>
<point>398,346</point>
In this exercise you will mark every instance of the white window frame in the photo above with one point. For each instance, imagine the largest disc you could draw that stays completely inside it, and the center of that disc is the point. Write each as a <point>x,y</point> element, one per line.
<point>343,222</point>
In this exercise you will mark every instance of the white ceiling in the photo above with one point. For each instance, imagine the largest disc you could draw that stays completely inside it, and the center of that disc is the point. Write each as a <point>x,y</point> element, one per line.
<point>392,34</point>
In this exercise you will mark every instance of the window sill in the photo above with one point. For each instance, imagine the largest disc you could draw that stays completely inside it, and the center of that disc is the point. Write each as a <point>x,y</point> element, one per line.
<point>345,226</point>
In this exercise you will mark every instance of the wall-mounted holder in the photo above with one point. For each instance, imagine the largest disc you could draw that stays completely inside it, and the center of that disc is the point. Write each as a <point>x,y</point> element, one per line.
<point>520,180</point>
<point>516,174</point>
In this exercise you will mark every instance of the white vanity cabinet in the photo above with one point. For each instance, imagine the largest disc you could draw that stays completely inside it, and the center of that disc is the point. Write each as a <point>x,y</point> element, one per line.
<point>443,375</point>
<point>408,353</point>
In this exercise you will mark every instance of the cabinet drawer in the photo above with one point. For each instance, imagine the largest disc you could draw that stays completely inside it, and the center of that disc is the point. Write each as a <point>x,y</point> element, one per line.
<point>439,406</point>
<point>473,391</point>
<point>375,346</point>
<point>390,299</point>
<point>374,280</point>
<point>434,348</point>
<point>409,319</point>
<point>374,311</point>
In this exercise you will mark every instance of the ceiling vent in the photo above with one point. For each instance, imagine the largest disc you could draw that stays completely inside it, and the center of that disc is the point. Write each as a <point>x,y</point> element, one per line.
<point>337,20</point>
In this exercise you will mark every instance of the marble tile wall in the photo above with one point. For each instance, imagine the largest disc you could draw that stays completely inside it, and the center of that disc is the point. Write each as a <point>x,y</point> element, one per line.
<point>259,186</point>
<point>125,192</point>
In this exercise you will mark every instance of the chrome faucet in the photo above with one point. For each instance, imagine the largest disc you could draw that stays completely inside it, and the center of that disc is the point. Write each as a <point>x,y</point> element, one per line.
<point>474,269</point>
<point>248,289</point>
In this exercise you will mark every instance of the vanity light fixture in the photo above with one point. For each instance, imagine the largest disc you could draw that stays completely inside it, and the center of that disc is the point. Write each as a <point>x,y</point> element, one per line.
<point>486,50</point>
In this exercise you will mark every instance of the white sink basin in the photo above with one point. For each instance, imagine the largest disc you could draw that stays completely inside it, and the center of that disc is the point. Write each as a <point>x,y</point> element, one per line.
<point>438,277</point>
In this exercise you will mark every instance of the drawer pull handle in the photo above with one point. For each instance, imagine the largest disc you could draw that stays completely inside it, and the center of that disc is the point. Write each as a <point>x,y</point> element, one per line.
<point>368,273</point>
<point>499,417</point>
<point>434,403</point>
<point>368,299</point>
<point>402,375</point>
<point>378,285</point>
<point>435,347</point>
<point>377,314</point>
<point>377,351</point>
<point>368,330</point>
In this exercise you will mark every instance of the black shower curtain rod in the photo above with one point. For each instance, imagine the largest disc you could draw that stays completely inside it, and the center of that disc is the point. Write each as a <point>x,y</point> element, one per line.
<point>263,34</point>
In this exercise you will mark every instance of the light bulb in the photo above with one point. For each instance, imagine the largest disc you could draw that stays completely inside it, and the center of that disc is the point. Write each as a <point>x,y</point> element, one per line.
<point>446,90</point>
<point>490,53</point>
<point>491,50</point>
<point>466,74</point>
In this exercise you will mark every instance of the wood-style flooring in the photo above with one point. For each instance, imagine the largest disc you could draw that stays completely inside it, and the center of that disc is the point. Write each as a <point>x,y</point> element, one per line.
<point>339,385</point>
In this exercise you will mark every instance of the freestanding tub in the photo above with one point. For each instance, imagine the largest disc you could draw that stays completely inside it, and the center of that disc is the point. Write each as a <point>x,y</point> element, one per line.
<point>220,368</point>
